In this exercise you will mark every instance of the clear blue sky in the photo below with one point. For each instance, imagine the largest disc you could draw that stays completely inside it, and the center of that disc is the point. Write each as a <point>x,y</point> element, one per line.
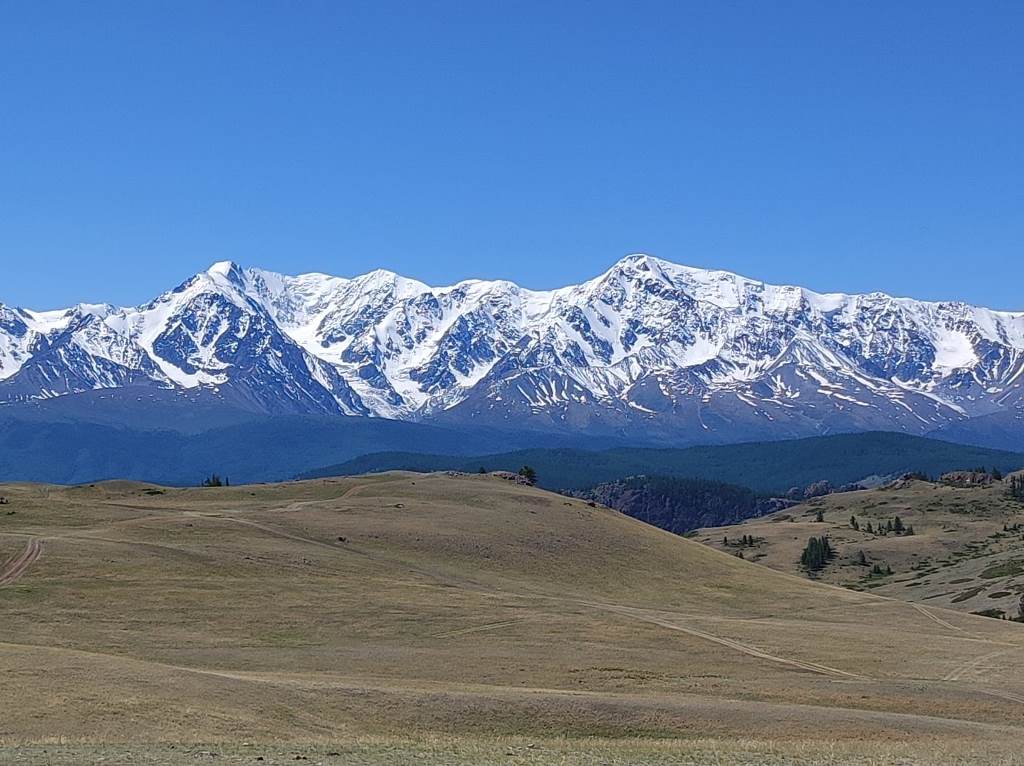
<point>839,145</point>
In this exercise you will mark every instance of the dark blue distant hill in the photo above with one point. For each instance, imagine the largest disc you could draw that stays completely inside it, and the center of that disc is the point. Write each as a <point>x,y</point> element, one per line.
<point>763,466</point>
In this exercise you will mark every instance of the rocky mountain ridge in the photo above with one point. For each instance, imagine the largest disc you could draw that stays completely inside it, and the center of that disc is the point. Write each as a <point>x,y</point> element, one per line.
<point>647,348</point>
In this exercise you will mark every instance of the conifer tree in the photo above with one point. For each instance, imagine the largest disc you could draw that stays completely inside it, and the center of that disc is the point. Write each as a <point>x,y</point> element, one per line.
<point>1017,487</point>
<point>528,473</point>
<point>816,554</point>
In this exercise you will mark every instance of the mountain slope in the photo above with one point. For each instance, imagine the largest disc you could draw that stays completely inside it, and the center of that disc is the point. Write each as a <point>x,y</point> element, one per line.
<point>649,348</point>
<point>965,552</point>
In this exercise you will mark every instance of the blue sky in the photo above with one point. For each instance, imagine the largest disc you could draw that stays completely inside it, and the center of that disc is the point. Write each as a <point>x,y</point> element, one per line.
<point>839,145</point>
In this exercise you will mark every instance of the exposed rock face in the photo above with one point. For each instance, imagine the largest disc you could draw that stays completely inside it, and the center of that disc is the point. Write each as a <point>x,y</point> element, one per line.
<point>680,505</point>
<point>515,478</point>
<point>967,478</point>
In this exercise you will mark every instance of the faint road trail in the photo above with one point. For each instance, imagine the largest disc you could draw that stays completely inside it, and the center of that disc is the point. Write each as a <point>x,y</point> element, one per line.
<point>13,569</point>
<point>971,665</point>
<point>935,618</point>
<point>813,667</point>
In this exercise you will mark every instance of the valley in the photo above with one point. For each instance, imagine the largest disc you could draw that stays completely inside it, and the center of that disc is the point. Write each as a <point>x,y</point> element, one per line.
<point>458,619</point>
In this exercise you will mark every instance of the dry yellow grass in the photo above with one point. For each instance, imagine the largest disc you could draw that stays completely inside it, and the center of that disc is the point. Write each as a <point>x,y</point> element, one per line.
<point>363,615</point>
<point>966,553</point>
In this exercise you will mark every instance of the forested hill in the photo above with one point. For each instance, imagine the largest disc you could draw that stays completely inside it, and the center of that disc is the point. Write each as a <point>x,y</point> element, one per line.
<point>679,505</point>
<point>766,467</point>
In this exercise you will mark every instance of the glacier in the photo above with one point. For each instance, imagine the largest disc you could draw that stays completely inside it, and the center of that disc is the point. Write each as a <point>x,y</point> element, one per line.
<point>648,348</point>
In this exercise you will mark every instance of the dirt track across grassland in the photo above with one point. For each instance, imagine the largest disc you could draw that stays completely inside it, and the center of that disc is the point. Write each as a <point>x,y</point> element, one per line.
<point>14,568</point>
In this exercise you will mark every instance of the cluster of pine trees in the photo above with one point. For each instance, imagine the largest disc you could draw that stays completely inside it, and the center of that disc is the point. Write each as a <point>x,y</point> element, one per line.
<point>817,554</point>
<point>747,541</point>
<point>528,473</point>
<point>214,480</point>
<point>894,525</point>
<point>918,476</point>
<point>861,559</point>
<point>1017,487</point>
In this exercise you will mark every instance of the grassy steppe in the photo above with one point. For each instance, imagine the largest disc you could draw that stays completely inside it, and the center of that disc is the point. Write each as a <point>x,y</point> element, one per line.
<point>458,620</point>
<point>966,553</point>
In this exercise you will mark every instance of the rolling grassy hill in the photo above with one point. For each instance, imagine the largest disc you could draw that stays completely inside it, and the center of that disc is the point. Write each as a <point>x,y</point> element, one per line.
<point>771,467</point>
<point>966,553</point>
<point>457,620</point>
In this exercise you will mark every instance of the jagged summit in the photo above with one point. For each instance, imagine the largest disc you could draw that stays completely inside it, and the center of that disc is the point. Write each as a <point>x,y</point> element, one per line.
<point>649,346</point>
<point>223,269</point>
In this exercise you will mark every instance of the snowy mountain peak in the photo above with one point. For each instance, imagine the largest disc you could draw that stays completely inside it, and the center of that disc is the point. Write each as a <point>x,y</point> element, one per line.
<point>226,273</point>
<point>223,269</point>
<point>649,345</point>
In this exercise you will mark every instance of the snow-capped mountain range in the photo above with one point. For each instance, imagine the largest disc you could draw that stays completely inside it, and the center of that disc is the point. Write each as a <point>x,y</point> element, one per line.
<point>649,348</point>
